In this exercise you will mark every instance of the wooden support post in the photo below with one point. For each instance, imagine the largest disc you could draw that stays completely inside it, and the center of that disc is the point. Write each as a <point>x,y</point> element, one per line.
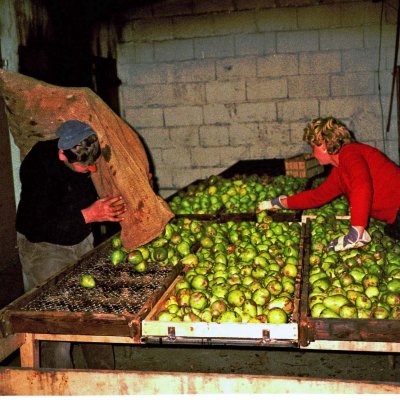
<point>30,355</point>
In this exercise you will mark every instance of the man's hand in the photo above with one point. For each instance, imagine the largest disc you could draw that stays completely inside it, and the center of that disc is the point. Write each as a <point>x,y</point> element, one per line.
<point>352,240</point>
<point>105,209</point>
<point>271,205</point>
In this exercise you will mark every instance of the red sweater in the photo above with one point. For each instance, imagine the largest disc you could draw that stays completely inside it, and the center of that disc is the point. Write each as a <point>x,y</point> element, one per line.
<point>369,180</point>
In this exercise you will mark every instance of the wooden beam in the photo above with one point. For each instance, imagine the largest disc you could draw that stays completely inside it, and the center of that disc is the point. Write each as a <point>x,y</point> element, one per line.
<point>10,344</point>
<point>78,382</point>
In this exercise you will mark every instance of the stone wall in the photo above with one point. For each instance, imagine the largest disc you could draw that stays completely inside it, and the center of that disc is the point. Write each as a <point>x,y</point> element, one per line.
<point>207,83</point>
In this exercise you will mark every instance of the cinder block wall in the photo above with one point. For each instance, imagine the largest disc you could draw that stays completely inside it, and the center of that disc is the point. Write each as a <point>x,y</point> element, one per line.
<point>208,83</point>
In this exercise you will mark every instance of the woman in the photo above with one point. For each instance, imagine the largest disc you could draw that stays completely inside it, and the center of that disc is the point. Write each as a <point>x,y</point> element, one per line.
<point>369,180</point>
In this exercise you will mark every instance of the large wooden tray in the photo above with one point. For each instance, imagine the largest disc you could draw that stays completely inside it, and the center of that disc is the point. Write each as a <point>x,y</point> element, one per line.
<point>339,329</point>
<point>54,307</point>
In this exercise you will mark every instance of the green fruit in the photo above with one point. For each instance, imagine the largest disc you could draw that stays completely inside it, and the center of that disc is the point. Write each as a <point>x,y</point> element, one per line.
<point>335,302</point>
<point>191,260</point>
<point>394,285</point>
<point>116,242</point>
<point>348,311</point>
<point>117,257</point>
<point>317,309</point>
<point>87,281</point>
<point>183,248</point>
<point>198,300</point>
<point>261,296</point>
<point>380,313</point>
<point>159,254</point>
<point>277,316</point>
<point>199,282</point>
<point>328,313</point>
<point>164,316</point>
<point>217,308</point>
<point>236,298</point>
<point>141,267</point>
<point>363,301</point>
<point>135,257</point>
<point>229,316</point>
<point>285,303</point>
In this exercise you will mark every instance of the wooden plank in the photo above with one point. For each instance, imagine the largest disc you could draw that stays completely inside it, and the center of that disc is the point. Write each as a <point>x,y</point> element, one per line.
<point>343,345</point>
<point>28,382</point>
<point>10,344</point>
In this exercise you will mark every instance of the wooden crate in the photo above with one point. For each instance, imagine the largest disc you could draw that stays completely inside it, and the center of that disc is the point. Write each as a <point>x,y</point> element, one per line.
<point>345,330</point>
<point>303,166</point>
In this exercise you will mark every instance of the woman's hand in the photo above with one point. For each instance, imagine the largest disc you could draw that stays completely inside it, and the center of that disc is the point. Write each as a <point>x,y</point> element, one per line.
<point>105,209</point>
<point>357,237</point>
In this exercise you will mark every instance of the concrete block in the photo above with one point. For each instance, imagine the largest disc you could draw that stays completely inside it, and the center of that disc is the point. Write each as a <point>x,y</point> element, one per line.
<point>264,88</point>
<point>156,138</point>
<point>194,71</point>
<point>193,26</point>
<point>206,157</point>
<point>218,113</point>
<point>214,47</point>
<point>183,116</point>
<point>225,91</point>
<point>133,52</point>
<point>320,62</point>
<point>274,134</point>
<point>169,8</point>
<point>177,156</point>
<point>350,84</point>
<point>248,44</point>
<point>277,65</point>
<point>234,23</point>
<point>181,177</point>
<point>384,79</point>
<point>367,13</point>
<point>254,112</point>
<point>242,134</point>
<point>187,136</point>
<point>360,60</point>
<point>236,68</point>
<point>373,36</point>
<point>163,95</point>
<point>297,41</point>
<point>350,107</point>
<point>319,17</point>
<point>341,39</point>
<point>211,6</point>
<point>143,74</point>
<point>276,19</point>
<point>298,110</point>
<point>214,136</point>
<point>233,154</point>
<point>145,117</point>
<point>152,29</point>
<point>174,50</point>
<point>308,86</point>
<point>297,131</point>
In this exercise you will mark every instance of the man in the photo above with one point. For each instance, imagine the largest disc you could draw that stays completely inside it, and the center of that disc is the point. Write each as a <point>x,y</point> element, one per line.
<point>57,205</point>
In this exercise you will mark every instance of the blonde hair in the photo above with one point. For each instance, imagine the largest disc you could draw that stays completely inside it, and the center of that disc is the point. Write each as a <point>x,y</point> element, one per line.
<point>330,131</point>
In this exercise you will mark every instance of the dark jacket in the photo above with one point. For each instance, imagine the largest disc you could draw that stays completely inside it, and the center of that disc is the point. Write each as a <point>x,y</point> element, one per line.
<point>52,197</point>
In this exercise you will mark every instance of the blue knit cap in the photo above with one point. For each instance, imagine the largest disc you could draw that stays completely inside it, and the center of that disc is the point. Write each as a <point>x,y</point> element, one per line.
<point>71,133</point>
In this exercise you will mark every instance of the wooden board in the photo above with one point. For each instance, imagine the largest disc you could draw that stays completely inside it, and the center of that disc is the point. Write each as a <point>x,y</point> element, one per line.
<point>28,382</point>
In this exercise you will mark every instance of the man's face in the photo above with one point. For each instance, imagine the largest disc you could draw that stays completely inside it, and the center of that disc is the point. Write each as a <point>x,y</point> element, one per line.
<point>84,168</point>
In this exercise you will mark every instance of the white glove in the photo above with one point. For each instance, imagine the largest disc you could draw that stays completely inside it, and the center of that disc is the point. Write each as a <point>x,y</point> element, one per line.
<point>350,241</point>
<point>271,205</point>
